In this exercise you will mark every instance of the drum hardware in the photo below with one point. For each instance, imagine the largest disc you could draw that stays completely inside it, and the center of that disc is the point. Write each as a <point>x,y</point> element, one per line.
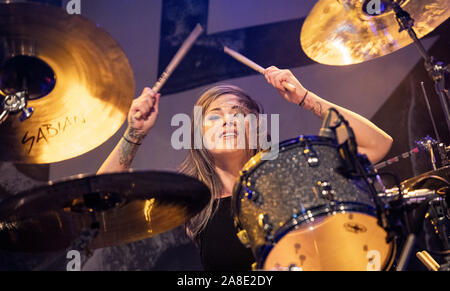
<point>253,196</point>
<point>266,225</point>
<point>439,154</point>
<point>413,196</point>
<point>437,70</point>
<point>406,253</point>
<point>397,159</point>
<point>15,103</point>
<point>416,207</point>
<point>430,112</point>
<point>437,214</point>
<point>402,225</point>
<point>311,156</point>
<point>436,149</point>
<point>326,190</point>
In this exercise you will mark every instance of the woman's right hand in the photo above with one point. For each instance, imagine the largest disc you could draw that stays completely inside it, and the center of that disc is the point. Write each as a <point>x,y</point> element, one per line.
<point>142,115</point>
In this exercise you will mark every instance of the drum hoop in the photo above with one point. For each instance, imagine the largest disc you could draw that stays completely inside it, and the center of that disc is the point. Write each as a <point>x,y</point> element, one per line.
<point>256,160</point>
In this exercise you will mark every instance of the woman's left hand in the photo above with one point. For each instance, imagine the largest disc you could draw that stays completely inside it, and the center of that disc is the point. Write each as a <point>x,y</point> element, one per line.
<point>277,77</point>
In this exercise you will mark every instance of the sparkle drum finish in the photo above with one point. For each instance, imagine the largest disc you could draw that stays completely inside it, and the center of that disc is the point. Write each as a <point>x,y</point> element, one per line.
<point>299,212</point>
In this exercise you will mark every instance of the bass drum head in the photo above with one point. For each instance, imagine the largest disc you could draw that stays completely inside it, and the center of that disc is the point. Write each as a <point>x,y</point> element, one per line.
<point>341,242</point>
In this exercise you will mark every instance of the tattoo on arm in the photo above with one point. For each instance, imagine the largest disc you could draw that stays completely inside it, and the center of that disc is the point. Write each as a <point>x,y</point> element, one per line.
<point>317,109</point>
<point>126,153</point>
<point>135,135</point>
<point>315,106</point>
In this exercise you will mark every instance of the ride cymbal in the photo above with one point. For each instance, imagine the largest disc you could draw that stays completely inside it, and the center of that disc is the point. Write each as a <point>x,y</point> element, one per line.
<point>78,79</point>
<point>344,32</point>
<point>124,207</point>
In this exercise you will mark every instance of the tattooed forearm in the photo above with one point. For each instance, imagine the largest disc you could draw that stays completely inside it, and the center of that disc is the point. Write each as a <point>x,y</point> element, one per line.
<point>314,105</point>
<point>135,134</point>
<point>127,152</point>
<point>317,109</point>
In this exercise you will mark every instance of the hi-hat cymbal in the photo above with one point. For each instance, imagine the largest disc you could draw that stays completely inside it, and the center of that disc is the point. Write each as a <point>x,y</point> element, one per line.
<point>343,32</point>
<point>126,207</point>
<point>79,80</point>
<point>431,180</point>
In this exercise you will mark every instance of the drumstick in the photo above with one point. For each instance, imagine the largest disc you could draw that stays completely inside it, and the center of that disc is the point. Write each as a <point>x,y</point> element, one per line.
<point>428,261</point>
<point>254,66</point>
<point>182,51</point>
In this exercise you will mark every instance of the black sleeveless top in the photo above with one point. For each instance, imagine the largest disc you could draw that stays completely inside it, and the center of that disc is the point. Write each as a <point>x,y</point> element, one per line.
<point>220,249</point>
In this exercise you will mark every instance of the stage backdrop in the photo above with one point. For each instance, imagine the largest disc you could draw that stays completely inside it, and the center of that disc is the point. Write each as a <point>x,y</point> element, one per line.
<point>385,90</point>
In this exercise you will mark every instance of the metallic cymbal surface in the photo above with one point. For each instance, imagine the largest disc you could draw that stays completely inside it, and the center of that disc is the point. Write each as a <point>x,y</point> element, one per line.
<point>139,205</point>
<point>88,77</point>
<point>431,180</point>
<point>341,32</point>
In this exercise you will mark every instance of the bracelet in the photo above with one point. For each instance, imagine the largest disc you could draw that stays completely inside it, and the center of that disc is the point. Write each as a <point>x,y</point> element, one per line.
<point>304,99</point>
<point>128,141</point>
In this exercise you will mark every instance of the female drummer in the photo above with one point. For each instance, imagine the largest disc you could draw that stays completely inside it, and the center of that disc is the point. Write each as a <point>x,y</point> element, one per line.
<point>218,167</point>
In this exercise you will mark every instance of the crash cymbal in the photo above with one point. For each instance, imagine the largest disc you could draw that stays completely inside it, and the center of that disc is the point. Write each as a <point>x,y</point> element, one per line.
<point>344,32</point>
<point>79,82</point>
<point>126,207</point>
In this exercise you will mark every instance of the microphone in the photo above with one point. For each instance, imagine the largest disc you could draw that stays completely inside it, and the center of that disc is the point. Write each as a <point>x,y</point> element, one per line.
<point>345,147</point>
<point>326,130</point>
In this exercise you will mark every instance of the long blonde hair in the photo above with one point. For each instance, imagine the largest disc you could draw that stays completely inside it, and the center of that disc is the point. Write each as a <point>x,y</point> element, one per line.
<point>199,163</point>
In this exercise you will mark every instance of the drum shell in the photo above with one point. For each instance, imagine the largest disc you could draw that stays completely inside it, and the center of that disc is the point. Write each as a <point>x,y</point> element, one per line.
<point>273,193</point>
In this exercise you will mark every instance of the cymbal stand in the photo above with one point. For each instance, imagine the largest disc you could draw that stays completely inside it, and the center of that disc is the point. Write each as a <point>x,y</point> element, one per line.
<point>15,103</point>
<point>437,70</point>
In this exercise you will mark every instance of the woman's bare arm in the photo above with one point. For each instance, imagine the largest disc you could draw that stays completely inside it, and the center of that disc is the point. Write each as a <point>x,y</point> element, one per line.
<point>120,159</point>
<point>371,140</point>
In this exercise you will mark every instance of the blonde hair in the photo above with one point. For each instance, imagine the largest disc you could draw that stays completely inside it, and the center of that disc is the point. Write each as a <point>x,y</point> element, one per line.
<point>199,163</point>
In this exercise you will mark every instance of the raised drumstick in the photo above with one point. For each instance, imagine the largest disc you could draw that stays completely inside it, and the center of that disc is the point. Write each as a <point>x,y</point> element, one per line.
<point>182,51</point>
<point>254,66</point>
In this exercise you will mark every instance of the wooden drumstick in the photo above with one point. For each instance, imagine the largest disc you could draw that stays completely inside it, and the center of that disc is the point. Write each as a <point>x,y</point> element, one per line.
<point>182,51</point>
<point>428,261</point>
<point>254,66</point>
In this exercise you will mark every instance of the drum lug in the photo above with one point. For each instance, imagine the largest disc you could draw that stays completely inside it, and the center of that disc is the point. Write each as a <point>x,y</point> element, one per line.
<point>311,156</point>
<point>252,195</point>
<point>326,190</point>
<point>244,239</point>
<point>264,223</point>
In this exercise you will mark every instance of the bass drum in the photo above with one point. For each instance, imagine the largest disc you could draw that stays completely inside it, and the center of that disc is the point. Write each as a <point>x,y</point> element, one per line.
<point>298,212</point>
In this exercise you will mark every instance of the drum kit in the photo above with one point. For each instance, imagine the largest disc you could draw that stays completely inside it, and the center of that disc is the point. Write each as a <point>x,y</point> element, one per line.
<point>319,206</point>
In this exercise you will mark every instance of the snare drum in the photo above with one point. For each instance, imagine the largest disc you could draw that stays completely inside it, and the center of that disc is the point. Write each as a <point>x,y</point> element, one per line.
<point>298,212</point>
